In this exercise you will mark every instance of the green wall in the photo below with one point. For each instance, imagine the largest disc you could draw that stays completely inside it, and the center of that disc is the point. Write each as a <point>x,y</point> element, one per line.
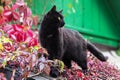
<point>95,19</point>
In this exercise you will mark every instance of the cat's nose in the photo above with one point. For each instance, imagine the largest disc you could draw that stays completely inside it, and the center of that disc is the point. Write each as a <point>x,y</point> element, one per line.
<point>63,23</point>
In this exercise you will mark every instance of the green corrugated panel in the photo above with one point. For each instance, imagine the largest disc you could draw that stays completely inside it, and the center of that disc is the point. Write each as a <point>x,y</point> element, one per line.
<point>93,18</point>
<point>98,22</point>
<point>114,6</point>
<point>40,7</point>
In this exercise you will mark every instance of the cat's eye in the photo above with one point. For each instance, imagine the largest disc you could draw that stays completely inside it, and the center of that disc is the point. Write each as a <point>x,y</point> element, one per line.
<point>59,18</point>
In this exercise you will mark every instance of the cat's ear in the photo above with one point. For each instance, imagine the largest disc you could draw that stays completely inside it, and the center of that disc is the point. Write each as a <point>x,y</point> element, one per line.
<point>61,11</point>
<point>53,8</point>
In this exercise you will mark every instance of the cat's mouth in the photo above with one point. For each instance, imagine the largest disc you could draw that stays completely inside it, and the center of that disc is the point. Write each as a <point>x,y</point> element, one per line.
<point>62,24</point>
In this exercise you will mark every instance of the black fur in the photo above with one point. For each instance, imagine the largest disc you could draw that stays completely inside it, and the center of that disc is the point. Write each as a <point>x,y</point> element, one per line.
<point>65,44</point>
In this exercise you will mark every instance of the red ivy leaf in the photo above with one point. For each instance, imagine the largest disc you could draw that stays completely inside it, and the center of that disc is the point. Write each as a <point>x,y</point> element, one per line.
<point>32,42</point>
<point>15,16</point>
<point>18,27</point>
<point>11,15</point>
<point>7,12</point>
<point>15,6</point>
<point>30,33</point>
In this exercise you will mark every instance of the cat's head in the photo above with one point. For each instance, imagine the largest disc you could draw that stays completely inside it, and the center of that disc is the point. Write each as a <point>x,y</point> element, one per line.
<point>55,17</point>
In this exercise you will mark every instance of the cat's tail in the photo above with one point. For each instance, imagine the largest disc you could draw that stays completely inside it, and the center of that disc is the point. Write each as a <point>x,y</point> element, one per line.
<point>96,52</point>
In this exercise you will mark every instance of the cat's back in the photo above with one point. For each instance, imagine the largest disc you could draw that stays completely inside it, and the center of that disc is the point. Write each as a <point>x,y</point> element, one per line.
<point>71,40</point>
<point>69,33</point>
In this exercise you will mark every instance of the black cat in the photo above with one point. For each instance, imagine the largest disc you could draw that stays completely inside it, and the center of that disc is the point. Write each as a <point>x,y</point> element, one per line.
<point>65,44</point>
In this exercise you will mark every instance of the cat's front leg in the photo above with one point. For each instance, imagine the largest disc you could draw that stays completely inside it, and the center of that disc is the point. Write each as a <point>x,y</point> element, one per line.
<point>59,54</point>
<point>55,56</point>
<point>50,57</point>
<point>55,53</point>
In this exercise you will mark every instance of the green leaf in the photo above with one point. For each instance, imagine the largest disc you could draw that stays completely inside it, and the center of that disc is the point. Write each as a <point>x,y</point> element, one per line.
<point>61,65</point>
<point>4,62</point>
